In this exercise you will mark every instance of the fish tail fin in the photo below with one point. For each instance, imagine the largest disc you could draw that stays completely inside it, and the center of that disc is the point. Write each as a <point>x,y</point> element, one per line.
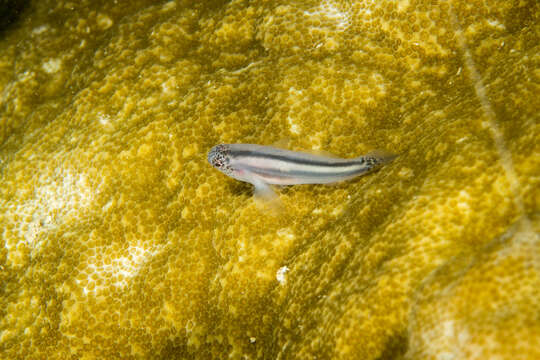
<point>380,157</point>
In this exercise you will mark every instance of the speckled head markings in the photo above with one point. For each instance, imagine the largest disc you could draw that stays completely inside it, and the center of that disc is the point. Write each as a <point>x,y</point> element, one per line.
<point>218,157</point>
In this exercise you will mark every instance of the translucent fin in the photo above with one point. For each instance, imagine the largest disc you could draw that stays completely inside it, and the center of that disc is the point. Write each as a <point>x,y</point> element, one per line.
<point>266,198</point>
<point>321,153</point>
<point>383,157</point>
<point>282,144</point>
<point>264,191</point>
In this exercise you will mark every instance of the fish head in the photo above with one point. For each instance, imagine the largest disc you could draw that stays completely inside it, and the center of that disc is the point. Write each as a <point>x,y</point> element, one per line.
<point>220,158</point>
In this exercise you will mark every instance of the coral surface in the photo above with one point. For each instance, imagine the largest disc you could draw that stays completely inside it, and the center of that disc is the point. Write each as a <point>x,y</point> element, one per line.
<point>119,241</point>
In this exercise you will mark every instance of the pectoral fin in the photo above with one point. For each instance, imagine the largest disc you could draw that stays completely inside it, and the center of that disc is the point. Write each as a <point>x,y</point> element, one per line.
<point>264,191</point>
<point>265,196</point>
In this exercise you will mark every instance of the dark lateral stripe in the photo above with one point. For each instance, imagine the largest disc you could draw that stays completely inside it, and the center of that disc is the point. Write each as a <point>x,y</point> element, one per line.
<point>296,160</point>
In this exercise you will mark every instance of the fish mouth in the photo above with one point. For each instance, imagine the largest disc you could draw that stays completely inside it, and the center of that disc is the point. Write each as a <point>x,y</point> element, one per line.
<point>212,154</point>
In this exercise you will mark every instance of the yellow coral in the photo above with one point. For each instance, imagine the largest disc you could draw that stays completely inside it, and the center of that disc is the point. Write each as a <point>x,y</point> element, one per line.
<point>118,240</point>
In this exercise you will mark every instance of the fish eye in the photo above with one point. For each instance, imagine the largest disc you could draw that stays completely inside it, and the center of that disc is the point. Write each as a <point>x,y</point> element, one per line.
<point>217,163</point>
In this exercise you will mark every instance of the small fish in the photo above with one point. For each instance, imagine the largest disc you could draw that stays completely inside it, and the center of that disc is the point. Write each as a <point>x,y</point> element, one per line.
<point>264,165</point>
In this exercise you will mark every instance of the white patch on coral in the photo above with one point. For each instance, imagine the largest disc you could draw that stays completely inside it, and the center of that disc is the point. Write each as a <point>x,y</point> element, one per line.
<point>40,29</point>
<point>280,275</point>
<point>165,88</point>
<point>104,21</point>
<point>328,11</point>
<point>55,197</point>
<point>293,127</point>
<point>168,6</point>
<point>126,267</point>
<point>296,97</point>
<point>52,66</point>
<point>286,233</point>
<point>316,140</point>
<point>104,119</point>
<point>72,190</point>
<point>341,18</point>
<point>107,206</point>
<point>25,76</point>
<point>463,201</point>
<point>54,200</point>
<point>380,83</point>
<point>247,67</point>
<point>496,24</point>
<point>116,271</point>
<point>448,329</point>
<point>402,5</point>
<point>446,355</point>
<point>32,232</point>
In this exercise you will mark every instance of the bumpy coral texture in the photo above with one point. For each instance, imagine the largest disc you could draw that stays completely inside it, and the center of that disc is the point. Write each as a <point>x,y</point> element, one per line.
<point>119,241</point>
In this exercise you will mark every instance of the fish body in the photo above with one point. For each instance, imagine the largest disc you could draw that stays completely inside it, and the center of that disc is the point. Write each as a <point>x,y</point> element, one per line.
<point>263,165</point>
